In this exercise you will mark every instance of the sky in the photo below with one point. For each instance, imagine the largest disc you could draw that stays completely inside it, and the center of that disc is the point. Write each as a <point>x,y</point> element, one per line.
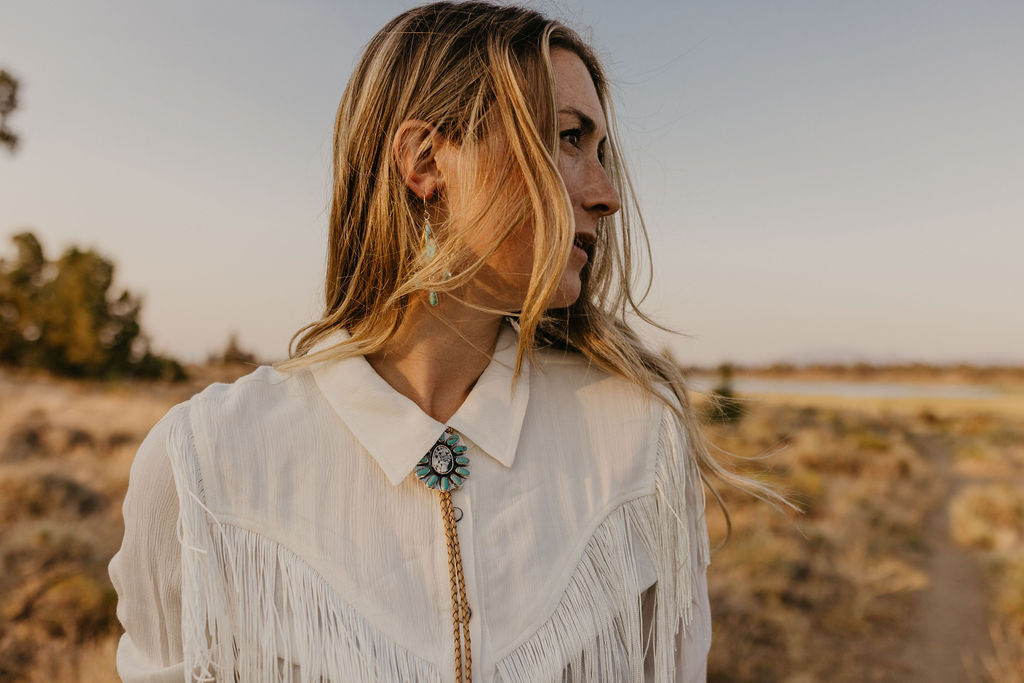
<point>821,181</point>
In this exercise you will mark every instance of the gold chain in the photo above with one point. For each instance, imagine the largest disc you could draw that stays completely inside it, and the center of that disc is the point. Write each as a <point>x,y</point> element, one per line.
<point>460,605</point>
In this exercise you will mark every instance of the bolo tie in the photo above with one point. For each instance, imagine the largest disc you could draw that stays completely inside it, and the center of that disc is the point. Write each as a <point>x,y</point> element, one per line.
<point>444,468</point>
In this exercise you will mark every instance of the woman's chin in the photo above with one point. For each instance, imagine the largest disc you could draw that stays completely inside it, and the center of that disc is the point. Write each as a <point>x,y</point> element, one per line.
<point>568,291</point>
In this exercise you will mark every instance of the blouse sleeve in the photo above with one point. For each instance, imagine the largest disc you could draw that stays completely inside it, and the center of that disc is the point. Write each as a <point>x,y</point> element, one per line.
<point>691,644</point>
<point>146,571</point>
<point>691,652</point>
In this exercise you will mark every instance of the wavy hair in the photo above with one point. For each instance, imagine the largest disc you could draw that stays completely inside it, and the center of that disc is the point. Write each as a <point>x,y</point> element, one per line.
<point>477,72</point>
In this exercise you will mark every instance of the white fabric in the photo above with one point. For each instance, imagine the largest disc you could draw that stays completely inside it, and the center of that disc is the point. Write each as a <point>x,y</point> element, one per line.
<point>275,530</point>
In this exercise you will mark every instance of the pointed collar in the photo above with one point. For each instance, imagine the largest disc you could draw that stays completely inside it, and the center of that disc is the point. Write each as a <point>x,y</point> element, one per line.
<point>397,433</point>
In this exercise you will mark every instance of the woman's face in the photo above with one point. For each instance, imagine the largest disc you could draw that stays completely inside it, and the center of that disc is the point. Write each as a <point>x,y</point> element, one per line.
<point>503,280</point>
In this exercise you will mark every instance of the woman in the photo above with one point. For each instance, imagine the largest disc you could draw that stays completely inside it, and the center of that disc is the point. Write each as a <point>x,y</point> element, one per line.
<point>470,468</point>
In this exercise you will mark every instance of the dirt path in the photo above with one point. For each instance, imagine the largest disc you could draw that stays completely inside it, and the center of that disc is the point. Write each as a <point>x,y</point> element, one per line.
<point>949,630</point>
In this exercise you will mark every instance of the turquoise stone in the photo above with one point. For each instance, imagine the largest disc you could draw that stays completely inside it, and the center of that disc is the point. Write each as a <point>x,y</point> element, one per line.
<point>437,469</point>
<point>429,249</point>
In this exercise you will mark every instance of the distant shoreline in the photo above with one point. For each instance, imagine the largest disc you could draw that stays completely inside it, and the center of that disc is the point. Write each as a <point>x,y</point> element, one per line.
<point>915,373</point>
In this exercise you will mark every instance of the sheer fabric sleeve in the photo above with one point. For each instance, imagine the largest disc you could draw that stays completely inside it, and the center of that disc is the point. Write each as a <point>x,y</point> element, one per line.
<point>692,643</point>
<point>691,652</point>
<point>146,571</point>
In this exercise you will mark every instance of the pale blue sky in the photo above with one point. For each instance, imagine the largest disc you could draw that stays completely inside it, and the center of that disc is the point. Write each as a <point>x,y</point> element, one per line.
<point>821,180</point>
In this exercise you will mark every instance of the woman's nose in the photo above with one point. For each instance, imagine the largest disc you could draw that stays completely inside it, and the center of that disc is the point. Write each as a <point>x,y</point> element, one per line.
<point>600,196</point>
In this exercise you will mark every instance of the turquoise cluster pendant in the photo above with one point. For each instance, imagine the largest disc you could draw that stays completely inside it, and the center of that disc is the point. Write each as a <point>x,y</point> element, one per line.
<point>446,465</point>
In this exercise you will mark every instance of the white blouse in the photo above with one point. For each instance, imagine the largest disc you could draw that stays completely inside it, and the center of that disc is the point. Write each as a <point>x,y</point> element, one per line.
<point>275,529</point>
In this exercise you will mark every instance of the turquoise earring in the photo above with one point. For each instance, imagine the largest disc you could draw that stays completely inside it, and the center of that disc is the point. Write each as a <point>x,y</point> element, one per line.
<point>429,249</point>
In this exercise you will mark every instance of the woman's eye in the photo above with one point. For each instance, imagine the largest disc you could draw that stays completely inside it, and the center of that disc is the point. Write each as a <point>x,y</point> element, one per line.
<point>572,136</point>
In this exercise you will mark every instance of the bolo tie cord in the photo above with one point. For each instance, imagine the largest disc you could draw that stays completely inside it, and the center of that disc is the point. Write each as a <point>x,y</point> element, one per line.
<point>445,468</point>
<point>460,605</point>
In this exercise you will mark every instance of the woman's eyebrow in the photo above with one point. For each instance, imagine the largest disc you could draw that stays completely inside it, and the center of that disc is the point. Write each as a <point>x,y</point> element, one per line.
<point>587,124</point>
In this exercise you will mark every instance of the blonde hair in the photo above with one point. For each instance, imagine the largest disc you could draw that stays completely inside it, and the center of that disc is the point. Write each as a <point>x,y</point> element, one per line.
<point>480,72</point>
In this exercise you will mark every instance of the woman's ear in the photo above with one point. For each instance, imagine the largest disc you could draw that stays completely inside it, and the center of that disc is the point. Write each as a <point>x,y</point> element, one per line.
<point>415,145</point>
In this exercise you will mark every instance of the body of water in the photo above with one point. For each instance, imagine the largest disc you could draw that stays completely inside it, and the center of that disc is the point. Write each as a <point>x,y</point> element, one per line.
<point>757,385</point>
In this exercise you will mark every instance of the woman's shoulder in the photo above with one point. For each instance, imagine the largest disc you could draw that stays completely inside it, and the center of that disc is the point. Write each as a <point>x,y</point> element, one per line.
<point>613,424</point>
<point>253,396</point>
<point>231,424</point>
<point>250,395</point>
<point>570,378</point>
<point>264,381</point>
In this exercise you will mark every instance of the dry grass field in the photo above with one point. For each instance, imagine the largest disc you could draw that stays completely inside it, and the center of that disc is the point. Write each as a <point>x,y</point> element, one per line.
<point>65,452</point>
<point>907,564</point>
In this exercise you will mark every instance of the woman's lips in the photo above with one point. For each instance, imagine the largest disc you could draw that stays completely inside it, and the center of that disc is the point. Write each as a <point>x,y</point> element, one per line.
<point>580,245</point>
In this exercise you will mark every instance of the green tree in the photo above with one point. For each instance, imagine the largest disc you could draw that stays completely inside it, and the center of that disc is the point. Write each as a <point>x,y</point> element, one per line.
<point>8,103</point>
<point>62,316</point>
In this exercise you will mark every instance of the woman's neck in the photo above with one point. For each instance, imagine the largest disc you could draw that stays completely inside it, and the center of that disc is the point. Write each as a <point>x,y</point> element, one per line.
<point>437,355</point>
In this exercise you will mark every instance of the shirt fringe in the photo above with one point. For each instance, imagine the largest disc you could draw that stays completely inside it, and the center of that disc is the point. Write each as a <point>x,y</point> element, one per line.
<point>234,579</point>
<point>232,582</point>
<point>594,633</point>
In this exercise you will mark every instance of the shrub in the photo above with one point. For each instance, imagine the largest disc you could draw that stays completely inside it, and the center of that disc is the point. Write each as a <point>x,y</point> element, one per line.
<point>61,316</point>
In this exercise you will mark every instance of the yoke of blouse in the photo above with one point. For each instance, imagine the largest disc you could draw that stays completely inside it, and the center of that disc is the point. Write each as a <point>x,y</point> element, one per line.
<point>276,530</point>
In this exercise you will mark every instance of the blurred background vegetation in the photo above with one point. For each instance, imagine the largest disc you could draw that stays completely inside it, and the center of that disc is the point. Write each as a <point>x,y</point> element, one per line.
<point>8,103</point>
<point>61,316</point>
